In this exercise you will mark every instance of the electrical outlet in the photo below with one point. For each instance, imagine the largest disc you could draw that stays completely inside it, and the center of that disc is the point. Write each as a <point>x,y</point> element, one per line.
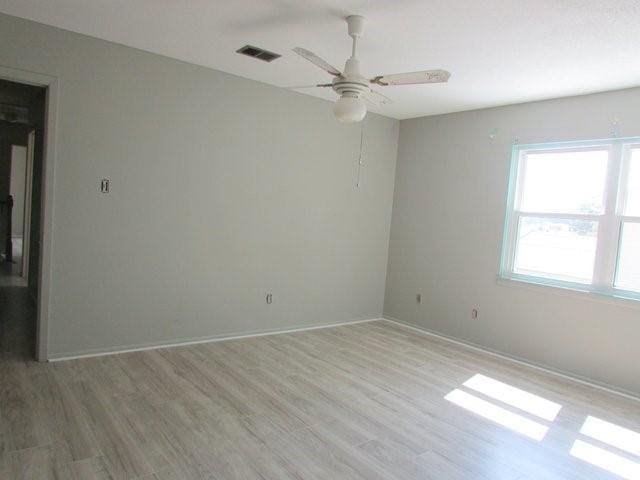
<point>474,313</point>
<point>419,298</point>
<point>269,298</point>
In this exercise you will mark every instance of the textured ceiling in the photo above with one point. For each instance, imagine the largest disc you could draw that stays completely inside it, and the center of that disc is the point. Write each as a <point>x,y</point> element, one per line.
<point>498,51</point>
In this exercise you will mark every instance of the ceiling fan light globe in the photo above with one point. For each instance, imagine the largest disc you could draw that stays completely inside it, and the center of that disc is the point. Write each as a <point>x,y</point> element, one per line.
<point>349,109</point>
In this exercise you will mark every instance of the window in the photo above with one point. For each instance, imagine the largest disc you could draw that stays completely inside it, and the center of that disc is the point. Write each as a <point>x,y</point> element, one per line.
<point>573,216</point>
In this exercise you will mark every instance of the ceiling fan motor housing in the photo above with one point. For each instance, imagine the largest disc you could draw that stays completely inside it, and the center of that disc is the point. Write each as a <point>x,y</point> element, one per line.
<point>351,81</point>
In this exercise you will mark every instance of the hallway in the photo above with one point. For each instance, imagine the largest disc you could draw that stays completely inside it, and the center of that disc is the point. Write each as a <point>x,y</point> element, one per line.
<point>17,325</point>
<point>10,272</point>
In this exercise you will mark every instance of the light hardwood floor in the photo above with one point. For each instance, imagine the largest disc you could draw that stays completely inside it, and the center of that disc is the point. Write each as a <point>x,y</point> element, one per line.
<point>356,402</point>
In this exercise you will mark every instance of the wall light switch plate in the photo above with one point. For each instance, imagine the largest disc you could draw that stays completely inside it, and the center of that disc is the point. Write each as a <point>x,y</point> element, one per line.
<point>104,185</point>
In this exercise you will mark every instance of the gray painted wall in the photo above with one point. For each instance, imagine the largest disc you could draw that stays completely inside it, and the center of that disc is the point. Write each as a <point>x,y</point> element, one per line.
<point>446,236</point>
<point>222,189</point>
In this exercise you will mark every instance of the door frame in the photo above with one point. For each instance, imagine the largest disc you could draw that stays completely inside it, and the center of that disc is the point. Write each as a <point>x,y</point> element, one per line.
<point>28,192</point>
<point>43,301</point>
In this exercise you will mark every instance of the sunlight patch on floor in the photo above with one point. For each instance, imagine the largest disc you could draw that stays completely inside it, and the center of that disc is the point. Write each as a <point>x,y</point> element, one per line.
<point>606,460</point>
<point>528,402</point>
<point>497,414</point>
<point>613,434</point>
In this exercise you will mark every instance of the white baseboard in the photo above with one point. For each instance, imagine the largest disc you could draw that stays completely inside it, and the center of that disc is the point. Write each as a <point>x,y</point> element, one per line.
<point>520,361</point>
<point>193,341</point>
<point>463,343</point>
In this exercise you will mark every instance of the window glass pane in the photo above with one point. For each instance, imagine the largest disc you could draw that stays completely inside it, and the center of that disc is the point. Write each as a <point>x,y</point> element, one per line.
<point>564,182</point>
<point>556,248</point>
<point>628,275</point>
<point>633,185</point>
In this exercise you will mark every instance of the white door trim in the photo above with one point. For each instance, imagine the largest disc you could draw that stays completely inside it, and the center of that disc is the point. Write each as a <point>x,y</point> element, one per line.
<point>13,174</point>
<point>28,191</point>
<point>48,182</point>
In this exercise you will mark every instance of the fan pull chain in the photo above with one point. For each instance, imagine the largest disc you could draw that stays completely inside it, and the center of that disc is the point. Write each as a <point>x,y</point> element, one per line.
<point>360,155</point>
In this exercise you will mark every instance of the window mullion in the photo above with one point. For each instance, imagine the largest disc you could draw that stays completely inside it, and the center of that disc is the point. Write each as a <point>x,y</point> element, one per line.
<point>609,226</point>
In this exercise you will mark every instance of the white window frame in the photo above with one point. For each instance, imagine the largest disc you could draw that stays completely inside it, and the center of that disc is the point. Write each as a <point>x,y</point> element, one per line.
<point>610,222</point>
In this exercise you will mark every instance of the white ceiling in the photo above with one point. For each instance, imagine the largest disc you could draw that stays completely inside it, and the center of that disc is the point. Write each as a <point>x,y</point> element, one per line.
<point>498,51</point>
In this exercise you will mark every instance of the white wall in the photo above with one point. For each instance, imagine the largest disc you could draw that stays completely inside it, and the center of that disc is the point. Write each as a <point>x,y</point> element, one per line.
<point>17,185</point>
<point>446,235</point>
<point>222,189</point>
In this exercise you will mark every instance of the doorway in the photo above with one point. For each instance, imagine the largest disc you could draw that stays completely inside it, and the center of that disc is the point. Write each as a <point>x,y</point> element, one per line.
<point>22,133</point>
<point>17,210</point>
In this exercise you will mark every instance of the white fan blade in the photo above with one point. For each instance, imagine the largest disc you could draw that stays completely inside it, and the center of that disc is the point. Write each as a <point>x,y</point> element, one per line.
<point>376,98</point>
<point>427,76</point>
<point>317,61</point>
<point>321,85</point>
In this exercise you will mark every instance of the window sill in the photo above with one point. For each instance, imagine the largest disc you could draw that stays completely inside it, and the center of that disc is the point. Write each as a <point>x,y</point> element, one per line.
<point>582,292</point>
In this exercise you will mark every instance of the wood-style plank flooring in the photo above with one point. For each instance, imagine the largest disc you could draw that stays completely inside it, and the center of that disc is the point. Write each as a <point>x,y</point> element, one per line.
<point>364,401</point>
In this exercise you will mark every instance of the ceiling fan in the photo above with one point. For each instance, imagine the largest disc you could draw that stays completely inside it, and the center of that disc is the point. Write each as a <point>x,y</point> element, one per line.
<point>353,87</point>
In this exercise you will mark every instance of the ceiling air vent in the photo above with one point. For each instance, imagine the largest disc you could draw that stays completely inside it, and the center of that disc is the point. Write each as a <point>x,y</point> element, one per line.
<point>258,53</point>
